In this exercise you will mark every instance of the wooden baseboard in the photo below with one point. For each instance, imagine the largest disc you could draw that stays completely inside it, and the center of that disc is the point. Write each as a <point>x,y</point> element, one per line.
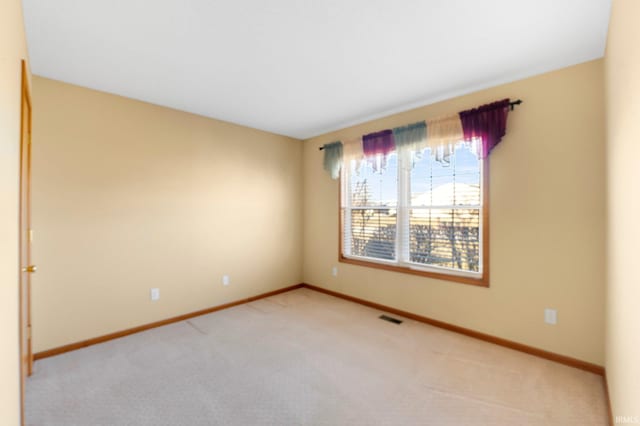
<point>562,359</point>
<point>94,341</point>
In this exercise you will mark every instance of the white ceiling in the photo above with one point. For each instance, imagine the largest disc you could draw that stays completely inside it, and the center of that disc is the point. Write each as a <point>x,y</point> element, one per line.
<point>305,67</point>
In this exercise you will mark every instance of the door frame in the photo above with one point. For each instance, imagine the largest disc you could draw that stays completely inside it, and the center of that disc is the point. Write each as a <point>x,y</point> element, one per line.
<point>24,281</point>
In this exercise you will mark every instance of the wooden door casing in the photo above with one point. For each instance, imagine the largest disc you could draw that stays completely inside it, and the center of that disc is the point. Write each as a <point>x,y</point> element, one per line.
<point>26,354</point>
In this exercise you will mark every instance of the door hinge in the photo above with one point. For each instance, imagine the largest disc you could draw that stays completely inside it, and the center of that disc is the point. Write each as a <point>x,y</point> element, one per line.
<point>30,235</point>
<point>29,332</point>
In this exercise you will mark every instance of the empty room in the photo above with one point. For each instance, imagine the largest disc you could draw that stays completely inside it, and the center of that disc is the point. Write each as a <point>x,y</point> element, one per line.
<point>324,212</point>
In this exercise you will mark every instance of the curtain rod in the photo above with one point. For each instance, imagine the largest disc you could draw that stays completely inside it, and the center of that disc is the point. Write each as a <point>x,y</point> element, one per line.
<point>512,105</point>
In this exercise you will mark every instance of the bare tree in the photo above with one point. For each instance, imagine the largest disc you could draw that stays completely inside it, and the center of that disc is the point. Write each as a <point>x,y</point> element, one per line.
<point>361,197</point>
<point>423,240</point>
<point>470,241</point>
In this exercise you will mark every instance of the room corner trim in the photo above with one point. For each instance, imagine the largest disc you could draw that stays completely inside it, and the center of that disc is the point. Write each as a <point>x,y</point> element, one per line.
<point>562,359</point>
<point>607,397</point>
<point>96,340</point>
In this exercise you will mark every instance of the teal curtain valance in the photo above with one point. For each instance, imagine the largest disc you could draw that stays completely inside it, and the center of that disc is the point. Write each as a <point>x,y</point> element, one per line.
<point>411,136</point>
<point>333,159</point>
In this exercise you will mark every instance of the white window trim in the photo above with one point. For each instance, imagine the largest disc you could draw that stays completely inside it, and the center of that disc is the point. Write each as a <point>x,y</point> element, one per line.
<point>402,250</point>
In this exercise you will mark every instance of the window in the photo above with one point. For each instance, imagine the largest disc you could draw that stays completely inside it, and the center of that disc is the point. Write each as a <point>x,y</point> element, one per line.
<point>418,215</point>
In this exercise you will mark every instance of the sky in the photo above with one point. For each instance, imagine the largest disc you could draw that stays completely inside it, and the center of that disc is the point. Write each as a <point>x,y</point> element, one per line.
<point>426,175</point>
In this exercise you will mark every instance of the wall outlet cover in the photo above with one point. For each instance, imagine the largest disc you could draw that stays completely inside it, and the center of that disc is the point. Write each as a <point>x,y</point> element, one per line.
<point>155,294</point>
<point>551,316</point>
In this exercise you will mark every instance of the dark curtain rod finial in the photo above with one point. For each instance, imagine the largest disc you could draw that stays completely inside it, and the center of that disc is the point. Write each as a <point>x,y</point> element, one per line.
<point>512,106</point>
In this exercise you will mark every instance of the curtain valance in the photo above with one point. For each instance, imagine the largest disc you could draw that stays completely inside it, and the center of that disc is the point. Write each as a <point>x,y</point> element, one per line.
<point>443,133</point>
<point>488,123</point>
<point>333,159</point>
<point>376,147</point>
<point>352,150</point>
<point>412,136</point>
<point>482,128</point>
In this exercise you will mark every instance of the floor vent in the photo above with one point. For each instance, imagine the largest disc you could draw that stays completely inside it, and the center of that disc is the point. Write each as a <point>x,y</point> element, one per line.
<point>390,319</point>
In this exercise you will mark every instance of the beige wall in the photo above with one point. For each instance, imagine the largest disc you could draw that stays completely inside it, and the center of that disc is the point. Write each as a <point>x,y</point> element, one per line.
<point>622,77</point>
<point>128,196</point>
<point>547,197</point>
<point>12,51</point>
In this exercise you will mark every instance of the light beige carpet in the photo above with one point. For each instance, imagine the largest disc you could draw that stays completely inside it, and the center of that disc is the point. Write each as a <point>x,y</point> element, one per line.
<point>305,358</point>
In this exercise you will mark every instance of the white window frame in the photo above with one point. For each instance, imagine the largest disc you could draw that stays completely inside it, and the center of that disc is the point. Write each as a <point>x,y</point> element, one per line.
<point>402,263</point>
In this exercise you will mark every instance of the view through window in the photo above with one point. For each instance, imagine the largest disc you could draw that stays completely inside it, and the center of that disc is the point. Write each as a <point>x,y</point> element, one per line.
<point>417,213</point>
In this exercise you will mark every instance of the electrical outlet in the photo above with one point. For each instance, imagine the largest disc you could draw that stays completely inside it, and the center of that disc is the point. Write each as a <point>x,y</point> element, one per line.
<point>334,271</point>
<point>551,316</point>
<point>226,280</point>
<point>155,294</point>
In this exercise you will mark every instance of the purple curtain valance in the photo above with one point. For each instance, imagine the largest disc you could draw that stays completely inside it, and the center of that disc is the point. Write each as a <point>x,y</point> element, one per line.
<point>376,147</point>
<point>487,122</point>
<point>378,143</point>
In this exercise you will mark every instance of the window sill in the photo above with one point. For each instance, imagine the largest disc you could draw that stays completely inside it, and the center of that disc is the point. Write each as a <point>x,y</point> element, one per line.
<point>479,282</point>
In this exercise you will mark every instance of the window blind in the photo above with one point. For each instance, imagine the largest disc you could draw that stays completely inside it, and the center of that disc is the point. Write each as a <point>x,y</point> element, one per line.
<point>418,212</point>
